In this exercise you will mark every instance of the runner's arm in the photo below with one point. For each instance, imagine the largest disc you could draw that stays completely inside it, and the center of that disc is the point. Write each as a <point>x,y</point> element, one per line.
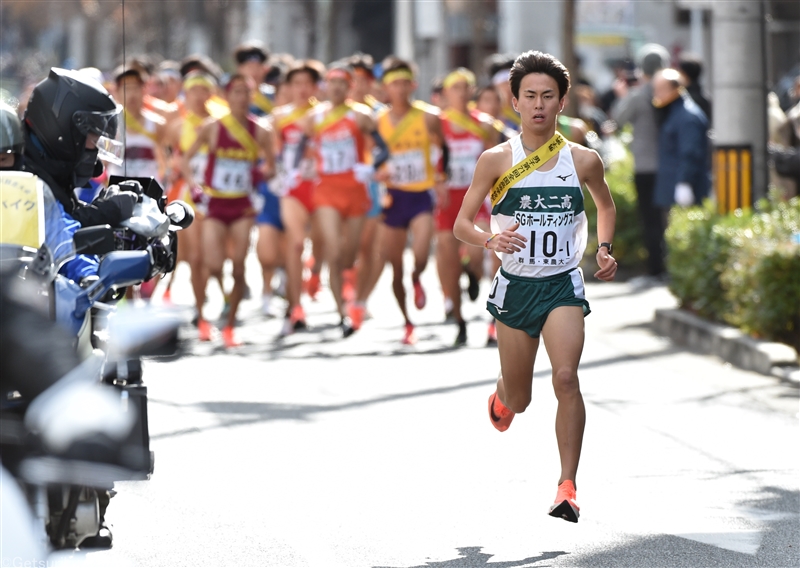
<point>265,142</point>
<point>489,168</point>
<point>203,137</point>
<point>590,170</point>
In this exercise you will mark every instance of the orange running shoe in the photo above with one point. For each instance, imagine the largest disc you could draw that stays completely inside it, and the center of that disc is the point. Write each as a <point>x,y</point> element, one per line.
<point>167,297</point>
<point>298,318</point>
<point>565,506</point>
<point>410,338</point>
<point>356,312</point>
<point>499,414</point>
<point>229,337</point>
<point>491,336</point>
<point>313,285</point>
<point>204,330</point>
<point>349,285</point>
<point>419,295</point>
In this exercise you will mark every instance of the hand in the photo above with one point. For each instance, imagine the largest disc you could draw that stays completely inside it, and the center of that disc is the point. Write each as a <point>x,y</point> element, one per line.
<point>364,173</point>
<point>125,201</point>
<point>508,241</point>
<point>684,196</point>
<point>267,171</point>
<point>607,264</point>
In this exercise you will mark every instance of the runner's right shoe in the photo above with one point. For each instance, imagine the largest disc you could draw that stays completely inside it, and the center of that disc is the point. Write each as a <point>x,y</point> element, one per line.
<point>356,311</point>
<point>204,330</point>
<point>565,506</point>
<point>499,414</point>
<point>491,339</point>
<point>409,338</point>
<point>461,338</point>
<point>313,285</point>
<point>419,295</point>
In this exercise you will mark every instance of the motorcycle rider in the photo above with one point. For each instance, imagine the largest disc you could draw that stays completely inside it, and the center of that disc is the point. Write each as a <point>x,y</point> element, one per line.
<point>68,127</point>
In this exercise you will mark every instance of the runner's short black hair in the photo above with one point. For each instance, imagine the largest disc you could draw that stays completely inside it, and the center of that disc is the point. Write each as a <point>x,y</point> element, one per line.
<point>200,62</point>
<point>497,62</point>
<point>362,61</point>
<point>394,63</point>
<point>538,62</point>
<point>311,66</point>
<point>251,50</point>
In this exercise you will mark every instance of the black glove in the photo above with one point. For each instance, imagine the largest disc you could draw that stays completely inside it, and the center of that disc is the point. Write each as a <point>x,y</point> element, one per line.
<point>125,202</point>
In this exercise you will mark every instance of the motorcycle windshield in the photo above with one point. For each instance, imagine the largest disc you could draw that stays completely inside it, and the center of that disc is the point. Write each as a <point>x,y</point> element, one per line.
<point>110,150</point>
<point>102,123</point>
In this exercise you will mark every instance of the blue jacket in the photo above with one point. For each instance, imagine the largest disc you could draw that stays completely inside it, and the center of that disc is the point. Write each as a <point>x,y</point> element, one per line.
<point>59,227</point>
<point>682,152</point>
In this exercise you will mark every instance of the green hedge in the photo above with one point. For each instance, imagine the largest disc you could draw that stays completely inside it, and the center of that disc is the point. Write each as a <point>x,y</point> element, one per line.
<point>628,244</point>
<point>740,268</point>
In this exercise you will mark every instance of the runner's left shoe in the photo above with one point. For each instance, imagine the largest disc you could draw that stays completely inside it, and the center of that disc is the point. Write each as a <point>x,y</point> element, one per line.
<point>229,337</point>
<point>500,415</point>
<point>565,506</point>
<point>461,338</point>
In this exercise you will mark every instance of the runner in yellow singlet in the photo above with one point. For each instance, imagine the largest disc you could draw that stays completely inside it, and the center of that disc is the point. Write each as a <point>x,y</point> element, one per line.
<point>410,131</point>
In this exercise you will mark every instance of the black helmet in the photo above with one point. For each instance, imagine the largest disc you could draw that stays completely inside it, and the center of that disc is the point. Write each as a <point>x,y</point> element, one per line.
<point>65,108</point>
<point>11,140</point>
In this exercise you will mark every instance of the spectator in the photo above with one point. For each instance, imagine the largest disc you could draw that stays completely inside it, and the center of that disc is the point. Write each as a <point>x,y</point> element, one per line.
<point>683,175</point>
<point>782,145</point>
<point>691,67</point>
<point>634,107</point>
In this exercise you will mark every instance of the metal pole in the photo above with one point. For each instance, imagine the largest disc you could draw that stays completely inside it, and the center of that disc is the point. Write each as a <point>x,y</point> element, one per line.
<point>404,29</point>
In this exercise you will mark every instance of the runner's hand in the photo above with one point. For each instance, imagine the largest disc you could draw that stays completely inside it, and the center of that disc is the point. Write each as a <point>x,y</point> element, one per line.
<point>508,241</point>
<point>607,264</point>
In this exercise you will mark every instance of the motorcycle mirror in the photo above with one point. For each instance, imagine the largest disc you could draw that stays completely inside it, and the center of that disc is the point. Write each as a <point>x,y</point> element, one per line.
<point>94,240</point>
<point>180,214</point>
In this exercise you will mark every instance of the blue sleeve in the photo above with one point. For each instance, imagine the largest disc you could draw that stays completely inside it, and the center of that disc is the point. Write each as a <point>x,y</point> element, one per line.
<point>692,142</point>
<point>59,228</point>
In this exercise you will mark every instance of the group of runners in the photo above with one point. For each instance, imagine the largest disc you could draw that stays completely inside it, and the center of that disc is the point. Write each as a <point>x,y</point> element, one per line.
<point>343,157</point>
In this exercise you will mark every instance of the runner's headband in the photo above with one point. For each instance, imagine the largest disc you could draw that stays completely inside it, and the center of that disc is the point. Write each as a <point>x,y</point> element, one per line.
<point>501,76</point>
<point>397,75</point>
<point>364,73</point>
<point>339,74</point>
<point>198,80</point>
<point>460,74</point>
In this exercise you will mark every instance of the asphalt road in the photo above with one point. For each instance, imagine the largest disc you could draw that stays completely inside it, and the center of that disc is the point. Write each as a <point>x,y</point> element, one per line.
<point>323,452</point>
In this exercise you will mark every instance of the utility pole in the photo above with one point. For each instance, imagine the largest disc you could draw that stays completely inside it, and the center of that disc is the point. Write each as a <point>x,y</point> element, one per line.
<point>740,102</point>
<point>568,51</point>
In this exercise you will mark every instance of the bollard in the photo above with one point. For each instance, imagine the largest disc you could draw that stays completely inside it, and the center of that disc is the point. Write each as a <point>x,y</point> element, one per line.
<point>733,177</point>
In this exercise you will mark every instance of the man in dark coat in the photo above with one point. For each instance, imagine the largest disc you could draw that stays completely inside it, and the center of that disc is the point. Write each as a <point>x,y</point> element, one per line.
<point>683,175</point>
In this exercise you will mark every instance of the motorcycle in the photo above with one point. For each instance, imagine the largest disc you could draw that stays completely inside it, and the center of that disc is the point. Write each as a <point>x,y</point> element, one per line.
<point>68,445</point>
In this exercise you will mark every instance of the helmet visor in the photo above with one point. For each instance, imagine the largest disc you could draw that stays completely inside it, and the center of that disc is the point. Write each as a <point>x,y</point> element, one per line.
<point>102,123</point>
<point>110,150</point>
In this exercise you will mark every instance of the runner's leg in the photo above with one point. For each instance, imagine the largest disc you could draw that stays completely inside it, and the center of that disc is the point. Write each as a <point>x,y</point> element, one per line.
<point>393,243</point>
<point>368,259</point>
<point>214,240</point>
<point>239,235</point>
<point>421,228</point>
<point>517,354</point>
<point>270,253</point>
<point>563,334</point>
<point>448,264</point>
<point>329,231</point>
<point>295,220</point>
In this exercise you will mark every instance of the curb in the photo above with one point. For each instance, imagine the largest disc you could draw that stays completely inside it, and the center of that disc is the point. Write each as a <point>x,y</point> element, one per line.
<point>728,343</point>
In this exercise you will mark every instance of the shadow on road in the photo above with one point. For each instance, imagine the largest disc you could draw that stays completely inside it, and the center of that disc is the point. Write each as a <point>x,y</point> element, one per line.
<point>472,557</point>
<point>245,413</point>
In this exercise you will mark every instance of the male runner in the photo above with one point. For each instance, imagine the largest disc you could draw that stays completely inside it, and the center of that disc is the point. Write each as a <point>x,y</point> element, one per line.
<point>251,61</point>
<point>540,233</point>
<point>410,131</point>
<point>467,134</point>
<point>236,143</point>
<point>338,128</point>
<point>181,134</point>
<point>296,202</point>
<point>368,263</point>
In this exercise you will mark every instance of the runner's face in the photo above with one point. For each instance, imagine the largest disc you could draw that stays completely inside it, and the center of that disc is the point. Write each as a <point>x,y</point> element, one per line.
<point>303,87</point>
<point>197,96</point>
<point>253,69</point>
<point>489,102</point>
<point>458,94</point>
<point>239,95</point>
<point>362,86</point>
<point>132,92</point>
<point>538,104</point>
<point>400,90</point>
<point>337,90</point>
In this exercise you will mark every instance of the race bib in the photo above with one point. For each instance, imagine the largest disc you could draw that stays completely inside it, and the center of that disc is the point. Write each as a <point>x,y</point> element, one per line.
<point>289,155</point>
<point>232,176</point>
<point>338,156</point>
<point>497,291</point>
<point>198,166</point>
<point>461,169</point>
<point>549,238</point>
<point>408,168</point>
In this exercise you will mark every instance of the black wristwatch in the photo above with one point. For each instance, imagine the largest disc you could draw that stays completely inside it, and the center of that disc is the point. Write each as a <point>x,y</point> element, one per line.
<point>609,246</point>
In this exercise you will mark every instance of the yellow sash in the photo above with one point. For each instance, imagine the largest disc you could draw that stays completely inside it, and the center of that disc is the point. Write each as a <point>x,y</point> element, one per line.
<point>403,125</point>
<point>21,210</point>
<point>296,114</point>
<point>526,167</point>
<point>132,123</point>
<point>465,122</point>
<point>240,134</point>
<point>423,106</point>
<point>333,116</point>
<point>262,102</point>
<point>509,113</point>
<point>217,106</point>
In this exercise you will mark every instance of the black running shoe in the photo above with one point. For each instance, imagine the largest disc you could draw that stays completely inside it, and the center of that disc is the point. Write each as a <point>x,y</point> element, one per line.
<point>461,338</point>
<point>347,327</point>
<point>474,288</point>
